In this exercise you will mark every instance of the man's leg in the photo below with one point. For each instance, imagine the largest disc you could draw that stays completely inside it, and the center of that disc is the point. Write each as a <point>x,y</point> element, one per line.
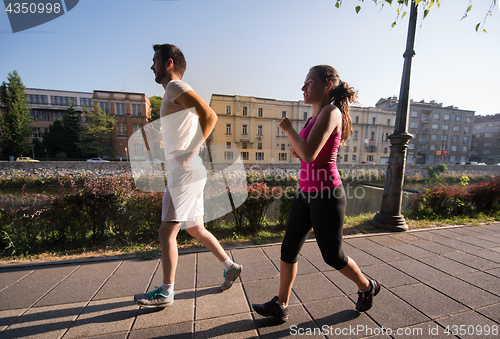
<point>231,270</point>
<point>164,295</point>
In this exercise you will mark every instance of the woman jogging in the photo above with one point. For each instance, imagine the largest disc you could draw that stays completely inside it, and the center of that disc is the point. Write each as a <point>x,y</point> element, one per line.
<point>320,203</point>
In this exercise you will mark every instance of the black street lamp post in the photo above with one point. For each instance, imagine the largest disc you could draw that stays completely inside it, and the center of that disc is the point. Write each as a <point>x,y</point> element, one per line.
<point>389,217</point>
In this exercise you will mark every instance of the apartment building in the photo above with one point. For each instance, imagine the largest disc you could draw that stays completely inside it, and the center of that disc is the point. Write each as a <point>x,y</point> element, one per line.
<point>486,139</point>
<point>371,127</point>
<point>251,125</point>
<point>440,134</point>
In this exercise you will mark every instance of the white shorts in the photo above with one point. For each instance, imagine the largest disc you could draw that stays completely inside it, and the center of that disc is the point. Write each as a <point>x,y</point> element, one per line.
<point>183,199</point>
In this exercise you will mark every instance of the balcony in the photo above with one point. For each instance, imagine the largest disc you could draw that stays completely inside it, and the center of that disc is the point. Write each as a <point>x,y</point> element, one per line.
<point>425,119</point>
<point>425,130</point>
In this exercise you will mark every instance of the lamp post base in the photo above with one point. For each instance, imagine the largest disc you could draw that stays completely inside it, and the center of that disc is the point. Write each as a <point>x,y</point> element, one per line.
<point>393,223</point>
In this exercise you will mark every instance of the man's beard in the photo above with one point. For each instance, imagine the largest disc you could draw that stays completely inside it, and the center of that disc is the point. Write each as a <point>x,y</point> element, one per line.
<point>159,77</point>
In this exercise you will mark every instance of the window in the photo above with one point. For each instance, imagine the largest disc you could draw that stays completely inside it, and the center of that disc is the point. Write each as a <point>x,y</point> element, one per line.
<point>244,145</point>
<point>57,116</point>
<point>347,149</point>
<point>244,129</point>
<point>63,101</point>
<point>136,127</point>
<point>464,148</point>
<point>458,118</point>
<point>138,149</point>
<point>259,156</point>
<point>488,135</point>
<point>385,150</point>
<point>120,108</point>
<point>434,137</point>
<point>456,128</point>
<point>244,155</point>
<point>228,155</point>
<point>282,147</point>
<point>413,124</point>
<point>466,139</point>
<point>468,119</point>
<point>355,135</point>
<point>372,136</point>
<point>445,127</point>
<point>411,146</point>
<point>228,128</point>
<point>121,129</point>
<point>455,138</point>
<point>354,158</point>
<point>454,148</point>
<point>36,99</point>
<point>282,156</point>
<point>436,116</point>
<point>346,158</point>
<point>452,158</point>
<point>466,129</point>
<point>356,120</point>
<point>260,112</point>
<point>487,144</point>
<point>277,131</point>
<point>388,122</point>
<point>37,132</point>
<point>486,151</point>
<point>446,117</point>
<point>228,110</point>
<point>245,111</point>
<point>432,147</point>
<point>45,116</point>
<point>374,120</point>
<point>283,114</point>
<point>259,130</point>
<point>136,109</point>
<point>34,115</point>
<point>354,149</point>
<point>228,144</point>
<point>444,137</point>
<point>104,106</point>
<point>435,126</point>
<point>86,102</point>
<point>259,145</point>
<point>386,136</point>
<point>414,114</point>
<point>305,116</point>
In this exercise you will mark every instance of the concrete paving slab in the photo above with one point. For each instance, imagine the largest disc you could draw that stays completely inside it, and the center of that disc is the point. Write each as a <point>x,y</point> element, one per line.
<point>431,235</point>
<point>408,238</point>
<point>471,260</point>
<point>178,331</point>
<point>211,303</point>
<point>492,312</point>
<point>495,272</point>
<point>389,276</point>
<point>182,311</point>
<point>392,312</point>
<point>339,314</point>
<point>234,326</point>
<point>435,247</point>
<point>209,271</point>
<point>419,271</point>
<point>413,251</point>
<point>447,265</point>
<point>44,322</point>
<point>387,241</point>
<point>460,245</point>
<point>428,301</point>
<point>487,254</point>
<point>318,263</point>
<point>465,293</point>
<point>310,248</point>
<point>315,286</point>
<point>383,253</point>
<point>8,317</point>
<point>299,322</point>
<point>483,280</point>
<point>131,277</point>
<point>343,284</point>
<point>81,285</point>
<point>11,277</point>
<point>483,243</point>
<point>472,231</point>
<point>360,257</point>
<point>469,325</point>
<point>185,274</point>
<point>274,254</point>
<point>122,335</point>
<point>247,255</point>
<point>38,283</point>
<point>261,291</point>
<point>256,270</point>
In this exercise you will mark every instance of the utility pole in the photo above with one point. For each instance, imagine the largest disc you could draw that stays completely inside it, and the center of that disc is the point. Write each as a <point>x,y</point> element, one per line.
<point>389,217</point>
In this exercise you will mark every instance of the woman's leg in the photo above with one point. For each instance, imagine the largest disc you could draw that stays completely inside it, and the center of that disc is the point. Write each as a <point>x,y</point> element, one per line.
<point>208,240</point>
<point>288,272</point>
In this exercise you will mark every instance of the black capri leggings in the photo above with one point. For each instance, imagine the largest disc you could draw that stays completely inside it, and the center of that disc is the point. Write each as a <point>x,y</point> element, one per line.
<point>324,212</point>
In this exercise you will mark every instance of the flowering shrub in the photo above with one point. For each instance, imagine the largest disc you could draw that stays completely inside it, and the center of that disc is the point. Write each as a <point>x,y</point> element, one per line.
<point>260,197</point>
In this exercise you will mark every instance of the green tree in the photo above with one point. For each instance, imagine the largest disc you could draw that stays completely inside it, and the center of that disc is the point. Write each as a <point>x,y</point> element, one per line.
<point>97,138</point>
<point>70,133</point>
<point>52,138</point>
<point>155,107</point>
<point>15,121</point>
<point>403,8</point>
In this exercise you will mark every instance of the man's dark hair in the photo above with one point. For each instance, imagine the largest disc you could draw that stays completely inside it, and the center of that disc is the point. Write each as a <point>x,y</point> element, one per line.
<point>168,51</point>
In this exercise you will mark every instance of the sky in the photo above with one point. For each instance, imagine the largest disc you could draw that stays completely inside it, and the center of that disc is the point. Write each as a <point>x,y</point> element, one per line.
<point>262,48</point>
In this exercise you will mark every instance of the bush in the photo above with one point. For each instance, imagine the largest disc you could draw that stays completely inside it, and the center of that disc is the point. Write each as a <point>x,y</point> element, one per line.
<point>260,197</point>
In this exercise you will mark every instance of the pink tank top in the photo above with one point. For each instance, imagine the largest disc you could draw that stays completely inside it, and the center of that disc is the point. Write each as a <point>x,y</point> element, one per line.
<point>320,174</point>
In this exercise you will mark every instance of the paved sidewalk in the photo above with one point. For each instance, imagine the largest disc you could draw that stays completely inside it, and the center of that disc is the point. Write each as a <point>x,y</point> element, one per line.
<point>432,280</point>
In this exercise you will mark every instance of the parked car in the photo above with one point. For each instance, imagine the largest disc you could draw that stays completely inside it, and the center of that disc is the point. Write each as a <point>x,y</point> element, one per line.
<point>368,162</point>
<point>471,163</point>
<point>27,159</point>
<point>460,163</point>
<point>497,164</point>
<point>482,163</point>
<point>97,160</point>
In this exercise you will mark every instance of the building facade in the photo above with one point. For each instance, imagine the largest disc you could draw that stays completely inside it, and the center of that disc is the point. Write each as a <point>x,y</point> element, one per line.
<point>486,139</point>
<point>131,111</point>
<point>440,134</point>
<point>369,142</point>
<point>251,125</point>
